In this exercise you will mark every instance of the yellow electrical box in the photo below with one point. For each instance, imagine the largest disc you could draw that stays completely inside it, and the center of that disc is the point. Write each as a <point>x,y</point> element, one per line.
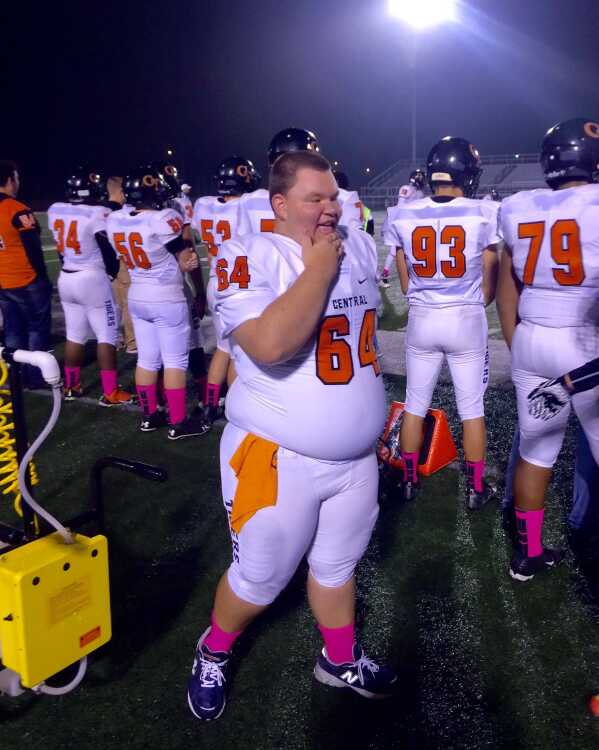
<point>54,604</point>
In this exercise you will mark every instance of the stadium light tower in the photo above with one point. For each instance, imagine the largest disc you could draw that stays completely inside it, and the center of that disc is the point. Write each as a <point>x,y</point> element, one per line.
<point>420,15</point>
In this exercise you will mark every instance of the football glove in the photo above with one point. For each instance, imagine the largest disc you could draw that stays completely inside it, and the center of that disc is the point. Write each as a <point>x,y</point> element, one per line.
<point>548,399</point>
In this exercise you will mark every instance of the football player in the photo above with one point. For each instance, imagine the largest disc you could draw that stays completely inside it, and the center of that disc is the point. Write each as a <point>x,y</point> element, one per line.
<point>149,237</point>
<point>88,265</point>
<point>547,304</point>
<point>195,293</point>
<point>352,210</point>
<point>215,220</point>
<point>255,211</point>
<point>447,264</point>
<point>299,307</point>
<point>413,191</point>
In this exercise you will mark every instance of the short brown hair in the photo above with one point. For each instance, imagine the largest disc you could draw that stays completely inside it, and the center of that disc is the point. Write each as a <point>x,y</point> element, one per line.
<point>7,170</point>
<point>284,171</point>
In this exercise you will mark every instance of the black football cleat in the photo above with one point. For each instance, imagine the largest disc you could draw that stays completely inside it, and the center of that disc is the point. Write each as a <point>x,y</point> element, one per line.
<point>189,427</point>
<point>477,500</point>
<point>410,490</point>
<point>152,422</point>
<point>524,568</point>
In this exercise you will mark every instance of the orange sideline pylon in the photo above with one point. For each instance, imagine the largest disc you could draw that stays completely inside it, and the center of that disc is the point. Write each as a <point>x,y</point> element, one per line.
<point>438,448</point>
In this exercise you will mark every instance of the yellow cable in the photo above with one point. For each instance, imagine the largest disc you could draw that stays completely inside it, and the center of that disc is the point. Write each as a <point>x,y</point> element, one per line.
<point>9,465</point>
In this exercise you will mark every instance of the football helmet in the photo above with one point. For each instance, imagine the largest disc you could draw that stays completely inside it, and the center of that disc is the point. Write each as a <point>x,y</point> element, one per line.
<point>570,151</point>
<point>291,139</point>
<point>170,174</point>
<point>454,161</point>
<point>235,176</point>
<point>85,186</point>
<point>342,180</point>
<point>146,186</point>
<point>418,179</point>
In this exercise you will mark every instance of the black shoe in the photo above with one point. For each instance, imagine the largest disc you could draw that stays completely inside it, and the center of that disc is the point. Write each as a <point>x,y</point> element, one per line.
<point>153,422</point>
<point>189,427</point>
<point>410,490</point>
<point>525,568</point>
<point>476,500</point>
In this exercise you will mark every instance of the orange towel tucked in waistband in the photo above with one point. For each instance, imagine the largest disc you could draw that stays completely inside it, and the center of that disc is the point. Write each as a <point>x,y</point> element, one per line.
<point>255,466</point>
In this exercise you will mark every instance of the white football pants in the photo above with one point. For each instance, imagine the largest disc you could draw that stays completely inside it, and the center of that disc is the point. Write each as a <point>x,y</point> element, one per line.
<point>325,510</point>
<point>88,305</point>
<point>459,333</point>
<point>539,353</point>
<point>162,334</point>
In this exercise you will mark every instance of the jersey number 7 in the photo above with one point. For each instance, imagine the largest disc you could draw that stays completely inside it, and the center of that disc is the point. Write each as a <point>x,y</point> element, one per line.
<point>566,250</point>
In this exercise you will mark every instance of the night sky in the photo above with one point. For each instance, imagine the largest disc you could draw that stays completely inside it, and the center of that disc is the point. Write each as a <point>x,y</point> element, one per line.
<point>115,83</point>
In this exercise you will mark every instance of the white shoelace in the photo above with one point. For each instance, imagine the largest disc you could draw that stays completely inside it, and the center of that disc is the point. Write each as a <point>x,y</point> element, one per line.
<point>365,663</point>
<point>211,673</point>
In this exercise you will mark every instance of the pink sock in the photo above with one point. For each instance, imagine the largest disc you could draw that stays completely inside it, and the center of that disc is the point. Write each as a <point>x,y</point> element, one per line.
<point>108,381</point>
<point>474,472</point>
<point>530,528</point>
<point>217,640</point>
<point>148,398</point>
<point>72,377</point>
<point>212,394</point>
<point>175,398</point>
<point>339,643</point>
<point>410,466</point>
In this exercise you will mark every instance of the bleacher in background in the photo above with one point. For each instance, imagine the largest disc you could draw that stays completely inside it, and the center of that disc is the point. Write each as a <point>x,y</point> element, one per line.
<point>506,173</point>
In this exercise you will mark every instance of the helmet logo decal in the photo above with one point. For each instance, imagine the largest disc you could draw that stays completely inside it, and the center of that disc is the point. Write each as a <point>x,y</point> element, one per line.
<point>170,170</point>
<point>149,181</point>
<point>591,129</point>
<point>474,151</point>
<point>95,178</point>
<point>242,171</point>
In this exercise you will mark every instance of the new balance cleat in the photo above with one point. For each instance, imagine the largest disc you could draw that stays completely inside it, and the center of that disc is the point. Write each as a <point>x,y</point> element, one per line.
<point>152,422</point>
<point>72,394</point>
<point>206,691</point>
<point>363,675</point>
<point>525,568</point>
<point>117,398</point>
<point>189,427</point>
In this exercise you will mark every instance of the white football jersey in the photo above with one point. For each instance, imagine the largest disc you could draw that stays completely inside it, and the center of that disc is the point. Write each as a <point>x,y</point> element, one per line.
<point>183,207</point>
<point>327,401</point>
<point>554,239</point>
<point>407,194</point>
<point>140,237</point>
<point>255,213</point>
<point>443,243</point>
<point>351,209</point>
<point>215,220</point>
<point>73,226</point>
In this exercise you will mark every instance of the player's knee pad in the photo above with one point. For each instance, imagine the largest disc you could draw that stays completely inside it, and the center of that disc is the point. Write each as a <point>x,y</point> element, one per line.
<point>332,575</point>
<point>148,363</point>
<point>175,361</point>
<point>417,401</point>
<point>470,406</point>
<point>259,573</point>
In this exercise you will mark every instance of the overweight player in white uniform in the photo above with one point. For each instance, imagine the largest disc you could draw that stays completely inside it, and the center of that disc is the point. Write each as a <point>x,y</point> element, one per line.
<point>299,473</point>
<point>413,191</point>
<point>149,239</point>
<point>549,310</point>
<point>447,263</point>
<point>88,260</point>
<point>215,218</point>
